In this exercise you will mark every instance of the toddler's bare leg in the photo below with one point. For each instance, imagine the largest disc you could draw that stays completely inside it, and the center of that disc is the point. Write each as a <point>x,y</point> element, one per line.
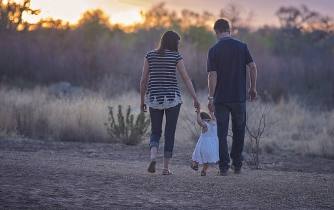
<point>205,167</point>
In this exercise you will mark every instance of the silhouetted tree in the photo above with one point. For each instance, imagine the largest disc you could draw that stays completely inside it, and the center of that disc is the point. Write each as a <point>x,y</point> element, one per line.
<point>11,15</point>
<point>50,23</point>
<point>233,12</point>
<point>159,17</point>
<point>100,56</point>
<point>296,22</point>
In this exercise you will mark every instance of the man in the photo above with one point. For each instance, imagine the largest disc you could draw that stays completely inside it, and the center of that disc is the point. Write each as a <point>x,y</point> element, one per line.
<point>226,66</point>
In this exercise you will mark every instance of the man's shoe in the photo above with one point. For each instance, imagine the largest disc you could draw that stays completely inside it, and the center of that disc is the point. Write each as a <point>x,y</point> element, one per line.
<point>236,170</point>
<point>222,172</point>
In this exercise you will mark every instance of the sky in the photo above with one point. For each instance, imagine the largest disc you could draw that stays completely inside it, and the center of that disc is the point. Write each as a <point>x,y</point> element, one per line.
<point>128,11</point>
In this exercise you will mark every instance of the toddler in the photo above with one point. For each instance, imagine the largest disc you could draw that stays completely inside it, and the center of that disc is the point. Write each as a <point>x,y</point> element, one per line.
<point>206,150</point>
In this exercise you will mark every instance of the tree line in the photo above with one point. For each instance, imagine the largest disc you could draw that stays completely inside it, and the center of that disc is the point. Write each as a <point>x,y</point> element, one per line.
<point>295,58</point>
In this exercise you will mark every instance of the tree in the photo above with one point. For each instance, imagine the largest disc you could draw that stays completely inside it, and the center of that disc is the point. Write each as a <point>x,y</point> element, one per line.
<point>257,126</point>
<point>11,15</point>
<point>51,23</point>
<point>94,22</point>
<point>232,12</point>
<point>297,21</point>
<point>95,31</point>
<point>159,17</point>
<point>94,17</point>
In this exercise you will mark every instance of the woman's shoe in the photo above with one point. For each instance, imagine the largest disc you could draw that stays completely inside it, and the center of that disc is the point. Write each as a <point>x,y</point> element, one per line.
<point>151,167</point>
<point>203,173</point>
<point>166,171</point>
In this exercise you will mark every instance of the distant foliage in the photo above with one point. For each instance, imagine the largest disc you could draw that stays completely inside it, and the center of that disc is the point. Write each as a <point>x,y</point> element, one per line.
<point>23,115</point>
<point>11,15</point>
<point>130,132</point>
<point>294,58</point>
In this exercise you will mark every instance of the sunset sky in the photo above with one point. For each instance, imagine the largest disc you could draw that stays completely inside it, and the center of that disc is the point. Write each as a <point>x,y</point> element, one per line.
<point>128,11</point>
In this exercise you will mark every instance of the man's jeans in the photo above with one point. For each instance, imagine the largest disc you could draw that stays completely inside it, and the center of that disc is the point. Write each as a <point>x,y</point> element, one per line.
<point>238,115</point>
<point>157,115</point>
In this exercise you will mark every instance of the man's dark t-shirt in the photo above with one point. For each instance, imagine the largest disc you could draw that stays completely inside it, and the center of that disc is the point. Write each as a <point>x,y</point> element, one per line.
<point>229,57</point>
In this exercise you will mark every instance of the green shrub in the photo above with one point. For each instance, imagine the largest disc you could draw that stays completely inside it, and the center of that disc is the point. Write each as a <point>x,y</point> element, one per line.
<point>125,129</point>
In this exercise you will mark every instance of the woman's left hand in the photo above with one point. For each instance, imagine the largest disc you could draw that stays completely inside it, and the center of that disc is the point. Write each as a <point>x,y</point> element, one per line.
<point>143,107</point>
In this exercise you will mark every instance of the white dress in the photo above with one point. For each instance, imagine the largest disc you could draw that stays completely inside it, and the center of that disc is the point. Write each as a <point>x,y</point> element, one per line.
<point>206,150</point>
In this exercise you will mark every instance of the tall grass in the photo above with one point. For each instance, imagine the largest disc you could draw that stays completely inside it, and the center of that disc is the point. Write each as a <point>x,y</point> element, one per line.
<point>39,113</point>
<point>304,131</point>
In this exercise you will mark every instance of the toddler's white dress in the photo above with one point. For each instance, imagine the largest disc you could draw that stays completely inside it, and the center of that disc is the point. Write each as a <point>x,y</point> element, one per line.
<point>206,150</point>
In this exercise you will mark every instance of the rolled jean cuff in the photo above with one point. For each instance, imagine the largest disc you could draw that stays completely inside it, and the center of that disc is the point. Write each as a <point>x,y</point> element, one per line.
<point>154,144</point>
<point>168,154</point>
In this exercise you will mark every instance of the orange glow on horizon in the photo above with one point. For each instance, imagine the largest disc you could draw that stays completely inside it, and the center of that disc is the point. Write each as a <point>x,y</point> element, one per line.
<point>72,11</point>
<point>129,17</point>
<point>125,18</point>
<point>127,12</point>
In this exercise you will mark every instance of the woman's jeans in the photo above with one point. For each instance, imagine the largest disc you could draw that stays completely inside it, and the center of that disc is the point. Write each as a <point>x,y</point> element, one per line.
<point>238,115</point>
<point>172,115</point>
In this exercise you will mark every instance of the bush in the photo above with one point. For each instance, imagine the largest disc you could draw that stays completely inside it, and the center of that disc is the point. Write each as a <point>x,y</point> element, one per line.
<point>257,127</point>
<point>125,129</point>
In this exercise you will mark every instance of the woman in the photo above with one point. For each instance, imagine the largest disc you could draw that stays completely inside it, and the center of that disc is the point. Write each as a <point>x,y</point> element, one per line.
<point>160,92</point>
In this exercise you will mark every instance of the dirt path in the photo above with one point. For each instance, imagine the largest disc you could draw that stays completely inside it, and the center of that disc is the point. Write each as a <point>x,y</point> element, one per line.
<point>54,175</point>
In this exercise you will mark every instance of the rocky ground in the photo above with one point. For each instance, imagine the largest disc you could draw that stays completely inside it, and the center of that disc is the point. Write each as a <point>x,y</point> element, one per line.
<point>57,175</point>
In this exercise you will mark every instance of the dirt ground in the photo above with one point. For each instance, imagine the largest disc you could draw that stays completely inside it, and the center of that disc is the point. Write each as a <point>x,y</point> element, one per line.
<point>55,175</point>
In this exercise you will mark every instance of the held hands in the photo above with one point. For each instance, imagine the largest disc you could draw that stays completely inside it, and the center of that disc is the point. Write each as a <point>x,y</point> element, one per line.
<point>197,105</point>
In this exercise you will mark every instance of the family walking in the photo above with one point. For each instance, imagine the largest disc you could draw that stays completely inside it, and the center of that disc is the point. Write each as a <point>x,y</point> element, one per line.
<point>227,63</point>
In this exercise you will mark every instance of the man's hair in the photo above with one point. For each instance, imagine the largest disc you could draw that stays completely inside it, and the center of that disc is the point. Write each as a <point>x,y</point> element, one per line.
<point>222,25</point>
<point>169,41</point>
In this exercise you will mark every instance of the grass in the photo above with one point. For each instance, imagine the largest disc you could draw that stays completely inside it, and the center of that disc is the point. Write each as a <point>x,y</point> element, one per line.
<point>39,113</point>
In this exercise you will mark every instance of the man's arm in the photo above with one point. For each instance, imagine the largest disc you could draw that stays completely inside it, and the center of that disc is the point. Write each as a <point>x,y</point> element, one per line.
<point>252,93</point>
<point>212,82</point>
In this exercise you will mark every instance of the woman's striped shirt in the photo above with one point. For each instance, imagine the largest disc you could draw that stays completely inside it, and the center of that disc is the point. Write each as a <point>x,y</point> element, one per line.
<point>162,91</point>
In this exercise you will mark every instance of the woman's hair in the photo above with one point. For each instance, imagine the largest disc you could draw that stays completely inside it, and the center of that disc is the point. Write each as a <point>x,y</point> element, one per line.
<point>169,41</point>
<point>204,115</point>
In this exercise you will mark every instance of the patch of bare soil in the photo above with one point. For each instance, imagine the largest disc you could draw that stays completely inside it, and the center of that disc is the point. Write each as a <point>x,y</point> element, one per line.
<point>57,175</point>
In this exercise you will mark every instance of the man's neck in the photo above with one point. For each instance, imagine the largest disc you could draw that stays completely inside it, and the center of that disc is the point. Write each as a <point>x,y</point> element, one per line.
<point>223,35</point>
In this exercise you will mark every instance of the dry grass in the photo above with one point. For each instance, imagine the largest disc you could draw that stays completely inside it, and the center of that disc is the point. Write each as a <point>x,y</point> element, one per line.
<point>301,130</point>
<point>40,114</point>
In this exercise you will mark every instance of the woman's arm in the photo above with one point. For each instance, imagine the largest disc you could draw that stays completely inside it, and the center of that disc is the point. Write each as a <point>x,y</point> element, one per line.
<point>186,80</point>
<point>143,85</point>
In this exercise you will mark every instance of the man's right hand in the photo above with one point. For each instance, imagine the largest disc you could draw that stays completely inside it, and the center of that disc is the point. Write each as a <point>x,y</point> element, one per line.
<point>211,107</point>
<point>252,94</point>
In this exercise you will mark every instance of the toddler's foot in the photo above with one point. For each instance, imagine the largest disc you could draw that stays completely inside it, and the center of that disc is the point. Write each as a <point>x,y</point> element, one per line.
<point>194,167</point>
